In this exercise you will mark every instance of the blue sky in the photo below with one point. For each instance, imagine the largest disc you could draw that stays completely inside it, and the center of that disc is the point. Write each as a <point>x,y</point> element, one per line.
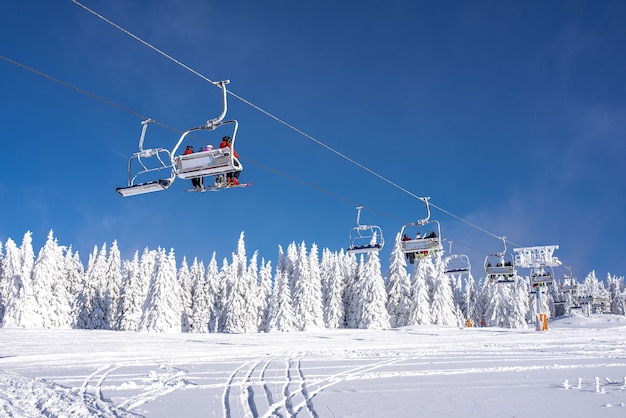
<point>509,115</point>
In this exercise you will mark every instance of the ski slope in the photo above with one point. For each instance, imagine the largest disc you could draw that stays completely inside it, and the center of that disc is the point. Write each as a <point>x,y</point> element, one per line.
<point>577,368</point>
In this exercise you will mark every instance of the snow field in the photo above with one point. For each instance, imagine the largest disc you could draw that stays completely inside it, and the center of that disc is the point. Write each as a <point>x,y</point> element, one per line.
<point>406,372</point>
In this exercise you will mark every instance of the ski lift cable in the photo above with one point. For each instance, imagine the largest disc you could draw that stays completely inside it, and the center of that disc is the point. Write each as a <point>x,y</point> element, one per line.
<point>86,93</point>
<point>277,119</point>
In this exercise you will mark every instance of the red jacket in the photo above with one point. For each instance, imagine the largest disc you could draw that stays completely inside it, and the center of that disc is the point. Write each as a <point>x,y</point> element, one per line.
<point>224,144</point>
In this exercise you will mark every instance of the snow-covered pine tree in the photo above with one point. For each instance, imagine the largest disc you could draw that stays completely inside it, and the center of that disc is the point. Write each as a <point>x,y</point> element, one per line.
<point>469,305</point>
<point>398,287</point>
<point>253,311</point>
<point>317,307</point>
<point>498,310</point>
<point>50,287</point>
<point>185,295</point>
<point>97,285</point>
<point>15,287</point>
<point>265,292</point>
<point>351,295</point>
<point>307,294</point>
<point>420,296</point>
<point>74,272</point>
<point>238,301</point>
<point>281,317</point>
<point>84,300</point>
<point>163,301</point>
<point>443,311</point>
<point>334,288</point>
<point>28,299</point>
<point>112,282</point>
<point>213,292</point>
<point>519,304</point>
<point>132,296</point>
<point>289,264</point>
<point>3,284</point>
<point>373,312</point>
<point>200,298</point>
<point>615,287</point>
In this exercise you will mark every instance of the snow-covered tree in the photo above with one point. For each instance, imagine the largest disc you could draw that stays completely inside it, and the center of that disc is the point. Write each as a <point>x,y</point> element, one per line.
<point>615,287</point>
<point>307,291</point>
<point>132,296</point>
<point>74,273</point>
<point>213,292</point>
<point>351,295</point>
<point>200,298</point>
<point>265,292</point>
<point>398,287</point>
<point>280,314</point>
<point>163,307</point>
<point>443,311</point>
<point>281,317</point>
<point>373,313</point>
<point>18,289</point>
<point>470,298</point>
<point>239,303</point>
<point>50,287</point>
<point>185,295</point>
<point>333,289</point>
<point>420,296</point>
<point>112,282</point>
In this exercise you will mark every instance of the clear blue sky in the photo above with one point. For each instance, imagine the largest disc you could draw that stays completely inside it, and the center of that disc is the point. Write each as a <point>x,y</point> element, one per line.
<point>510,115</point>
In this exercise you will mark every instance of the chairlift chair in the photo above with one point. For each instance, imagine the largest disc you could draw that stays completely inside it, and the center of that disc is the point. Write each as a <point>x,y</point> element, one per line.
<point>147,163</point>
<point>500,267</point>
<point>456,263</point>
<point>568,283</point>
<point>213,162</point>
<point>541,275</point>
<point>365,238</point>
<point>427,243</point>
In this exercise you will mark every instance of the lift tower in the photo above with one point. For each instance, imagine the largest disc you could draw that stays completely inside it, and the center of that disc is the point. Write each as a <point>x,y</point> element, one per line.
<point>540,260</point>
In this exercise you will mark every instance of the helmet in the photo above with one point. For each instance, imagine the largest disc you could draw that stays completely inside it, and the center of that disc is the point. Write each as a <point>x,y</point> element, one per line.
<point>227,138</point>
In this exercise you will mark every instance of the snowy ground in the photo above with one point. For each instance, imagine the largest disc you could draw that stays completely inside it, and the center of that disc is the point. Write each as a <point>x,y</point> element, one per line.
<point>576,369</point>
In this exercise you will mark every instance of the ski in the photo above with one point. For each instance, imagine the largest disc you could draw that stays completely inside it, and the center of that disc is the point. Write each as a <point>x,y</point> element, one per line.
<point>218,188</point>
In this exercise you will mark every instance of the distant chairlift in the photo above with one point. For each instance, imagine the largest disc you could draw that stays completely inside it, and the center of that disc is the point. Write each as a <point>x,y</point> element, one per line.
<point>568,283</point>
<point>148,163</point>
<point>421,238</point>
<point>457,263</point>
<point>541,275</point>
<point>500,267</point>
<point>365,238</point>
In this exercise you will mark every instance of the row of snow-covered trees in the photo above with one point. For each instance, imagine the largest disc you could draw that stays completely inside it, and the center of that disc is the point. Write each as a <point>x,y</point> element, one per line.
<point>151,292</point>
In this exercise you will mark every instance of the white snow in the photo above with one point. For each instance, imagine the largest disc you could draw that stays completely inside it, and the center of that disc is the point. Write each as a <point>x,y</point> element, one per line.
<point>575,369</point>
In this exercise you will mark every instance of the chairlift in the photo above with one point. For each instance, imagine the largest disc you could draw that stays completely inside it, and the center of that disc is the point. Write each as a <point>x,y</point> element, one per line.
<point>426,235</point>
<point>365,238</point>
<point>213,162</point>
<point>148,163</point>
<point>568,283</point>
<point>456,263</point>
<point>500,267</point>
<point>541,276</point>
